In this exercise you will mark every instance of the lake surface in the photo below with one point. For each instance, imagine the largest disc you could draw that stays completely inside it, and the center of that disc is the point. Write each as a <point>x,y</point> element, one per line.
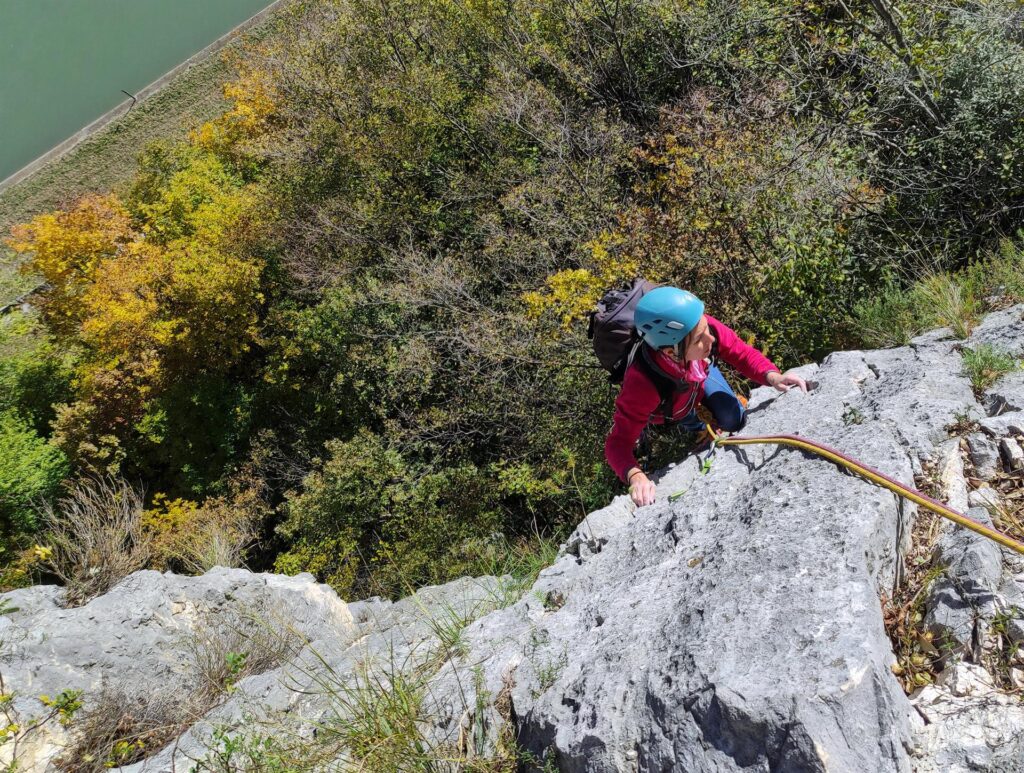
<point>63,63</point>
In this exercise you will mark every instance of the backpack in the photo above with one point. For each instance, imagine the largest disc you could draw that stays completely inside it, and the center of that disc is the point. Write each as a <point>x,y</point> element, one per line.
<point>616,343</point>
<point>611,328</point>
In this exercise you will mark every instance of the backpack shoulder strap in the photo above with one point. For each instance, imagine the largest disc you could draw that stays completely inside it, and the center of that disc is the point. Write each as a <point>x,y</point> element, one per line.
<point>667,386</point>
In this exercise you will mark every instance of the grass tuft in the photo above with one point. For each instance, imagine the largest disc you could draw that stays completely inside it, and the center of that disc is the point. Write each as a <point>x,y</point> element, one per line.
<point>986,364</point>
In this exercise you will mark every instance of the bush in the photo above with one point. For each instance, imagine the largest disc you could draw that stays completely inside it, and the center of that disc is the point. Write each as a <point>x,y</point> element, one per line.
<point>890,317</point>
<point>768,252</point>
<point>31,470</point>
<point>897,313</point>
<point>35,374</point>
<point>366,510</point>
<point>986,365</point>
<point>194,538</point>
<point>95,537</point>
<point>998,278</point>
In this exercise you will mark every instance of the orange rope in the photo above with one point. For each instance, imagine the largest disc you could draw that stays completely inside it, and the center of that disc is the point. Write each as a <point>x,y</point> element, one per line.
<point>874,476</point>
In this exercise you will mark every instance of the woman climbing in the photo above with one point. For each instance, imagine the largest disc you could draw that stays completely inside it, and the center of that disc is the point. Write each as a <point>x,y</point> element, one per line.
<point>673,371</point>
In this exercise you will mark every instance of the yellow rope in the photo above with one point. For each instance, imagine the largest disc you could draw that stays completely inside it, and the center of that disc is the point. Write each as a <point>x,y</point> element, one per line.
<point>874,476</point>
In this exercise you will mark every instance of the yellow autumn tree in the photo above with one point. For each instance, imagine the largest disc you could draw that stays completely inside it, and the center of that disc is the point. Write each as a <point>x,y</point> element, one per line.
<point>66,248</point>
<point>150,293</point>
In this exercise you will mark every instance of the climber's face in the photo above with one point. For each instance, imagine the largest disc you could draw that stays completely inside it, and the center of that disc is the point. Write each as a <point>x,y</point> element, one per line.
<point>696,346</point>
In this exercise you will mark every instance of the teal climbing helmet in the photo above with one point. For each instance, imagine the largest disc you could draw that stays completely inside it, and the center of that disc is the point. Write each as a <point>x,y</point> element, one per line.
<point>666,315</point>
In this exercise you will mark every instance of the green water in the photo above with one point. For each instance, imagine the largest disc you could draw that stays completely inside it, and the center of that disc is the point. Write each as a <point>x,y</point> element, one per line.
<point>63,63</point>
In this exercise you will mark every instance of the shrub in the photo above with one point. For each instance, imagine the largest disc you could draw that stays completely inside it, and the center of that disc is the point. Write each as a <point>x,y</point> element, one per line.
<point>890,317</point>
<point>226,646</point>
<point>95,537</point>
<point>119,726</point>
<point>896,313</point>
<point>34,373</point>
<point>948,301</point>
<point>986,364</point>
<point>161,290</point>
<point>194,538</point>
<point>998,278</point>
<point>30,472</point>
<point>768,251</point>
<point>366,509</point>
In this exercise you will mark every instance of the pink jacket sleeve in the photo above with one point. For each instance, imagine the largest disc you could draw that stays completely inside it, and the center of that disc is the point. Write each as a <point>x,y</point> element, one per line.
<point>741,355</point>
<point>637,400</point>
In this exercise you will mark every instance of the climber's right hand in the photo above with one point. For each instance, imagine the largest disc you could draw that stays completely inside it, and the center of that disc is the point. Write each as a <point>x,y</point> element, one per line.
<point>641,489</point>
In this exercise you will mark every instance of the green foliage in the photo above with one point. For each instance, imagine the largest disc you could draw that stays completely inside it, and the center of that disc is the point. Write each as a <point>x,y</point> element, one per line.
<point>998,276</point>
<point>364,282</point>
<point>34,373</point>
<point>64,705</point>
<point>890,317</point>
<point>376,513</point>
<point>949,303</point>
<point>159,297</point>
<point>237,753</point>
<point>986,364</point>
<point>896,313</point>
<point>31,470</point>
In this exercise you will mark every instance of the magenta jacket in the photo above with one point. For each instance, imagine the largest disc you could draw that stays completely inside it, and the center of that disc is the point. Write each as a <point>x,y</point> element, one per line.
<point>638,401</point>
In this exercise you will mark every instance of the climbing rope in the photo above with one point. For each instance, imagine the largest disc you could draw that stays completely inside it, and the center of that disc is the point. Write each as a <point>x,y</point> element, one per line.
<point>873,475</point>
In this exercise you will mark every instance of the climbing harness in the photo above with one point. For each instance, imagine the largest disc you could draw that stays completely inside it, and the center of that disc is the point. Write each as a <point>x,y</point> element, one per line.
<point>868,473</point>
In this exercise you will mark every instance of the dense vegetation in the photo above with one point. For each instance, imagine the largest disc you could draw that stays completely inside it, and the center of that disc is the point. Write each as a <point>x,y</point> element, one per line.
<point>340,328</point>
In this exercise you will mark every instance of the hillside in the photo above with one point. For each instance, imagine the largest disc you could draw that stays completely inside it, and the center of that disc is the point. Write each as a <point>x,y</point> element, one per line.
<point>740,623</point>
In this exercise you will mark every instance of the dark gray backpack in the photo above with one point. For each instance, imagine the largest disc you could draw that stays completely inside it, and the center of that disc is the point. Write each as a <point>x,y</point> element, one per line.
<point>611,327</point>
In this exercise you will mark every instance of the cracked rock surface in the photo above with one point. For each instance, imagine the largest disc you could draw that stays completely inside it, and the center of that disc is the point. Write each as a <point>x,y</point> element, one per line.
<point>734,625</point>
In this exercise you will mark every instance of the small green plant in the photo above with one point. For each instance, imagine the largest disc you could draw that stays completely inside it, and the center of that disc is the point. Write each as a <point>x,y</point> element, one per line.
<point>16,730</point>
<point>237,753</point>
<point>999,278</point>
<point>986,364</point>
<point>235,662</point>
<point>64,705</point>
<point>554,600</point>
<point>545,667</point>
<point>962,423</point>
<point>549,671</point>
<point>448,626</point>
<point>853,415</point>
<point>1005,655</point>
<point>516,565</point>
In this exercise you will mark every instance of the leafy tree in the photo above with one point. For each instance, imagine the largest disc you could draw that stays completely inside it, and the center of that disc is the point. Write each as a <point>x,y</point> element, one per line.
<point>30,472</point>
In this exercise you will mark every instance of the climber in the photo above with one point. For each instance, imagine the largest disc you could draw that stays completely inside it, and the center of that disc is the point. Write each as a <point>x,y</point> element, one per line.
<point>679,346</point>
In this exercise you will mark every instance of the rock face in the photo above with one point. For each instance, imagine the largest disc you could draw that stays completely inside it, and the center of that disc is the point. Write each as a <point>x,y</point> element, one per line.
<point>733,625</point>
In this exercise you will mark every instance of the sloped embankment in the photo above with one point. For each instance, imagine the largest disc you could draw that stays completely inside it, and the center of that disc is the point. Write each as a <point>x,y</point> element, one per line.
<point>733,625</point>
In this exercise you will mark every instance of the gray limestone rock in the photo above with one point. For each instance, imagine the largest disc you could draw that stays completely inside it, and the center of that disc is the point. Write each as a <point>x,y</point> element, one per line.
<point>1007,394</point>
<point>984,454</point>
<point>317,686</point>
<point>1003,425</point>
<point>735,625</point>
<point>138,634</point>
<point>968,591</point>
<point>970,726</point>
<point>1002,329</point>
<point>1012,454</point>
